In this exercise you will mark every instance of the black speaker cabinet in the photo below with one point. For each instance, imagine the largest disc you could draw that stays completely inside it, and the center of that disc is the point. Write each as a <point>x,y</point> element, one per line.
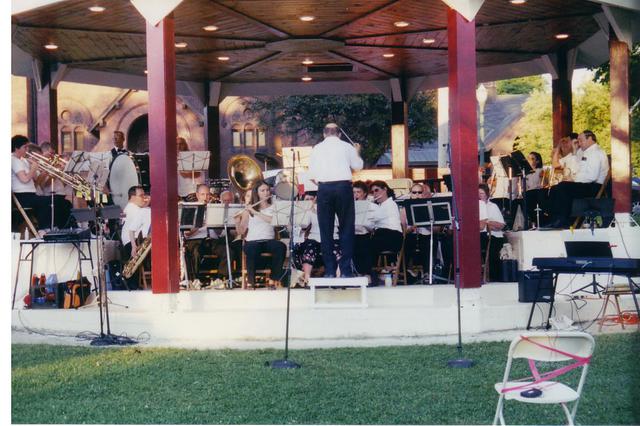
<point>531,283</point>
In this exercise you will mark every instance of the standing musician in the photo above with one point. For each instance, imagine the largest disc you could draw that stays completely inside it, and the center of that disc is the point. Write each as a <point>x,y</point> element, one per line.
<point>118,145</point>
<point>491,226</point>
<point>388,228</point>
<point>49,186</point>
<point>23,172</point>
<point>136,222</point>
<point>330,165</point>
<point>261,237</point>
<point>362,255</point>
<point>417,237</point>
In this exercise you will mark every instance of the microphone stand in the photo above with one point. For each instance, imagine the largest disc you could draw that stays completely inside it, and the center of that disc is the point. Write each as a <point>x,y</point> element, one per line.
<point>286,363</point>
<point>459,362</point>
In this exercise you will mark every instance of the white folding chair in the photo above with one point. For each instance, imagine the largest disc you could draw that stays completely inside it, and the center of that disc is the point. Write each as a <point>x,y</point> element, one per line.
<point>560,346</point>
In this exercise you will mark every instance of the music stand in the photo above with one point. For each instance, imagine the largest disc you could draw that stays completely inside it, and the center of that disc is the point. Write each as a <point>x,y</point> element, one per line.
<point>193,161</point>
<point>282,212</point>
<point>218,216</point>
<point>192,215</point>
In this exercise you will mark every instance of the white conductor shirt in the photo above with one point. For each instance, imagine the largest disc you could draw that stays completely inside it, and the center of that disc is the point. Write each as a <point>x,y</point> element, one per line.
<point>333,160</point>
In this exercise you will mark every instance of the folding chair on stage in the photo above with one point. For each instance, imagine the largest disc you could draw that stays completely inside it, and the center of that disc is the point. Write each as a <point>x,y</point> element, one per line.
<point>560,346</point>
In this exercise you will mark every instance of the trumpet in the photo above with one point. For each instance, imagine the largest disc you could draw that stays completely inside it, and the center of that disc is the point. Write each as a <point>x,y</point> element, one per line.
<point>53,167</point>
<point>134,263</point>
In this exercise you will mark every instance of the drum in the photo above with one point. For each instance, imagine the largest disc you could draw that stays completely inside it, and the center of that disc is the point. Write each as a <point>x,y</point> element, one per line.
<point>124,175</point>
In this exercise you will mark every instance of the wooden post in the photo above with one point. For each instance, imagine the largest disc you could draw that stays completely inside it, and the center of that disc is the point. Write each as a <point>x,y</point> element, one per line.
<point>561,100</point>
<point>212,141</point>
<point>464,144</point>
<point>399,140</point>
<point>161,84</point>
<point>620,140</point>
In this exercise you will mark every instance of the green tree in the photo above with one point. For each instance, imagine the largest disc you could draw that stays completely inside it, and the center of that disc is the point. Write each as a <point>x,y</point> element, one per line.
<point>365,118</point>
<point>520,86</point>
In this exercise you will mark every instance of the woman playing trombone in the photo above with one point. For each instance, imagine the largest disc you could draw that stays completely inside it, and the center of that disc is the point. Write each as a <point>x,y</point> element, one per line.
<point>261,238</point>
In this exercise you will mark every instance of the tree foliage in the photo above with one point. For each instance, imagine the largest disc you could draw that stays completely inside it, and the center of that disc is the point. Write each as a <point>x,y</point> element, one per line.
<point>366,119</point>
<point>520,86</point>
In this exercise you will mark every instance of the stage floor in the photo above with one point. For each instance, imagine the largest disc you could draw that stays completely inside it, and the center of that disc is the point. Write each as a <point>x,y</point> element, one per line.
<point>256,318</point>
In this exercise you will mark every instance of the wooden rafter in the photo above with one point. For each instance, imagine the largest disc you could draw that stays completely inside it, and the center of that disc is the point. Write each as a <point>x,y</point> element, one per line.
<point>395,46</point>
<point>247,18</point>
<point>361,64</point>
<point>250,65</point>
<point>358,18</point>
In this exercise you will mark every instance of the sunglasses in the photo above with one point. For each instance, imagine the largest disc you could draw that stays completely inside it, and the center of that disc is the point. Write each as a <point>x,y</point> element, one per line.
<point>376,190</point>
<point>416,192</point>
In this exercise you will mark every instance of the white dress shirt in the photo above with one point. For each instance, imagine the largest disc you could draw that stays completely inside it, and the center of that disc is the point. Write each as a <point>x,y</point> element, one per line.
<point>20,165</point>
<point>570,164</point>
<point>594,165</point>
<point>259,229</point>
<point>388,216</point>
<point>534,180</point>
<point>137,219</point>
<point>491,212</point>
<point>333,160</point>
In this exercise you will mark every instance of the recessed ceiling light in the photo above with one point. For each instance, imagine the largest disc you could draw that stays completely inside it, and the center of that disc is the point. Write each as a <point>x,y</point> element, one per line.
<point>51,46</point>
<point>210,28</point>
<point>562,36</point>
<point>223,58</point>
<point>181,45</point>
<point>307,61</point>
<point>306,78</point>
<point>428,40</point>
<point>388,55</point>
<point>307,18</point>
<point>401,24</point>
<point>146,72</point>
<point>517,1</point>
<point>97,9</point>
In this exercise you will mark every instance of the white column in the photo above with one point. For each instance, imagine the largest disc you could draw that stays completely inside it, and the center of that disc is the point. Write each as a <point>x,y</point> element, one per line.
<point>443,128</point>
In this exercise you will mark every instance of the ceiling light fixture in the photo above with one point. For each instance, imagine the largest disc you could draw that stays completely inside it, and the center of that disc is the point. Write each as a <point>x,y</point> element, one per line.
<point>388,55</point>
<point>223,58</point>
<point>51,46</point>
<point>306,78</point>
<point>428,40</point>
<point>307,61</point>
<point>181,45</point>
<point>210,28</point>
<point>146,72</point>
<point>517,1</point>
<point>97,9</point>
<point>401,24</point>
<point>307,18</point>
<point>562,36</point>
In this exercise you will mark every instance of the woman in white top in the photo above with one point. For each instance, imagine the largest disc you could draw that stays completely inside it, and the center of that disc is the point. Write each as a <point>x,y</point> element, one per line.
<point>491,226</point>
<point>388,229</point>
<point>261,237</point>
<point>535,194</point>
<point>23,173</point>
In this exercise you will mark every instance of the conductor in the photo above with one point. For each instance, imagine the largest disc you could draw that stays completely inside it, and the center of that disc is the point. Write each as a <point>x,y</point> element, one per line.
<point>330,165</point>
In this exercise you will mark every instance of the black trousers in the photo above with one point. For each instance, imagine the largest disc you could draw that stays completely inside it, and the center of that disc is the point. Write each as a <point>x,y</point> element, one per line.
<point>494,255</point>
<point>134,281</point>
<point>235,251</point>
<point>562,197</point>
<point>41,207</point>
<point>253,249</point>
<point>362,254</point>
<point>385,240</point>
<point>336,199</point>
<point>416,247</point>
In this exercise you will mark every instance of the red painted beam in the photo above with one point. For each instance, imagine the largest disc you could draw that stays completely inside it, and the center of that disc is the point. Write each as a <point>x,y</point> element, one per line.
<point>161,84</point>
<point>463,123</point>
<point>620,137</point>
<point>561,100</point>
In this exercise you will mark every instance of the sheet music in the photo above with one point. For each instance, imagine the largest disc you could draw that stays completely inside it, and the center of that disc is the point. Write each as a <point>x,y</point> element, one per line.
<point>216,214</point>
<point>81,161</point>
<point>190,161</point>
<point>303,154</point>
<point>282,212</point>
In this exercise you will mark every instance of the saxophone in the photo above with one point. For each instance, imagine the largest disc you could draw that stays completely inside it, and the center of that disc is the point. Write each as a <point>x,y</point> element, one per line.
<point>134,263</point>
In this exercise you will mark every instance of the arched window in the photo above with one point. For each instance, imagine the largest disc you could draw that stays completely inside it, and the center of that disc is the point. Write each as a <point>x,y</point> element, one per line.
<point>249,136</point>
<point>78,136</point>
<point>236,136</point>
<point>261,134</point>
<point>66,139</point>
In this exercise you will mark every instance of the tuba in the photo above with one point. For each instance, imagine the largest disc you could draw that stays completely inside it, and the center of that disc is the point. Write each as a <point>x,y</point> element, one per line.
<point>134,263</point>
<point>243,172</point>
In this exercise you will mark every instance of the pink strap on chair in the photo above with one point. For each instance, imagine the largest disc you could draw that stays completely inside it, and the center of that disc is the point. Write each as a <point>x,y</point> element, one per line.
<point>538,378</point>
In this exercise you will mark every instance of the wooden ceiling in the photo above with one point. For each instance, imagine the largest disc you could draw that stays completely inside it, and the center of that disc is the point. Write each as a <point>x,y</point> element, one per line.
<point>114,40</point>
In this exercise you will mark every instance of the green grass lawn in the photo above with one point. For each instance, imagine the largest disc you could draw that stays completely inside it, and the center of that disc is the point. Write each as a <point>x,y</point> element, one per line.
<point>386,385</point>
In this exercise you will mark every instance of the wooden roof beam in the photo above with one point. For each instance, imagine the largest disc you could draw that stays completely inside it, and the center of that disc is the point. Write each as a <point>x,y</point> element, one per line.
<point>391,46</point>
<point>365,15</point>
<point>251,65</point>
<point>249,19</point>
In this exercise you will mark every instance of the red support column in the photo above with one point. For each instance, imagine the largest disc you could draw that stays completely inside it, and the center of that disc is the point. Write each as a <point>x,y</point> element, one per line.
<point>464,143</point>
<point>399,140</point>
<point>620,140</point>
<point>561,100</point>
<point>161,84</point>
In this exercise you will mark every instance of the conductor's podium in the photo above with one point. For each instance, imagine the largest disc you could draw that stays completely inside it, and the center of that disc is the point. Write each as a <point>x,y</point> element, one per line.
<point>339,292</point>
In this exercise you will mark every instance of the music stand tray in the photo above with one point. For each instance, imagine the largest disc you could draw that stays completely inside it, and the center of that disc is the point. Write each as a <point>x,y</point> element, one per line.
<point>215,217</point>
<point>192,215</point>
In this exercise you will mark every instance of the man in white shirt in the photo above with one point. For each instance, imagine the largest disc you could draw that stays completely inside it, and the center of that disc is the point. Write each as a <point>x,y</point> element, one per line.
<point>137,221</point>
<point>331,164</point>
<point>491,225</point>
<point>592,171</point>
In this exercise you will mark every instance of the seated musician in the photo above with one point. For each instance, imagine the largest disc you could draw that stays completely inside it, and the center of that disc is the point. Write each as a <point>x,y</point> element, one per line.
<point>235,242</point>
<point>196,238</point>
<point>260,237</point>
<point>23,186</point>
<point>491,226</point>
<point>502,188</point>
<point>136,223</point>
<point>388,229</point>
<point>307,253</point>
<point>47,186</point>
<point>593,168</point>
<point>534,195</point>
<point>362,254</point>
<point>417,237</point>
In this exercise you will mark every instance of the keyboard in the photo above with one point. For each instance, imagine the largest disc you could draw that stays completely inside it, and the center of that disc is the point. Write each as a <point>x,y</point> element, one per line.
<point>578,265</point>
